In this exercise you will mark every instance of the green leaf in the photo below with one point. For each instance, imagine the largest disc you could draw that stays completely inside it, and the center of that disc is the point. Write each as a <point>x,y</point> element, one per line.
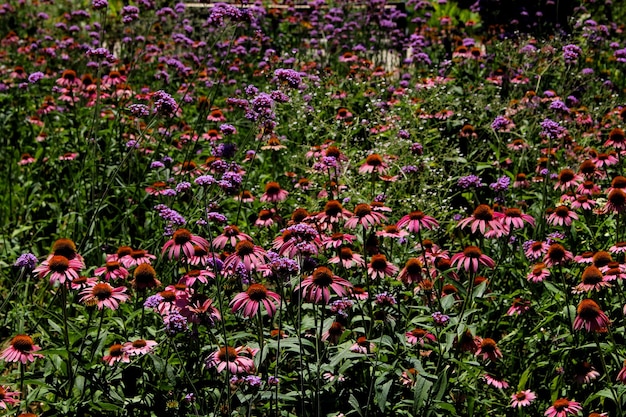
<point>384,393</point>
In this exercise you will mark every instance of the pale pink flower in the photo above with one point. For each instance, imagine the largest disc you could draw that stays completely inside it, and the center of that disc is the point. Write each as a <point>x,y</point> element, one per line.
<point>568,179</point>
<point>116,354</point>
<point>495,382</point>
<point>522,398</point>
<point>417,220</point>
<point>112,270</point>
<point>380,268</point>
<point>536,250</point>
<point>347,258</point>
<point>273,193</point>
<point>562,216</point>
<point>539,273</point>
<point>336,240</point>
<point>470,259</point>
<point>557,255</point>
<point>316,287</point>
<point>364,216</point>
<point>8,397</point>
<point>562,407</point>
<point>419,335</point>
<point>483,219</point>
<point>412,272</point>
<point>231,235</point>
<point>373,163</point>
<point>488,349</point>
<point>233,358</point>
<point>513,217</point>
<point>363,345</point>
<point>101,294</point>
<point>139,347</point>
<point>22,349</point>
<point>392,232</point>
<point>137,257</point>
<point>60,268</point>
<point>202,275</point>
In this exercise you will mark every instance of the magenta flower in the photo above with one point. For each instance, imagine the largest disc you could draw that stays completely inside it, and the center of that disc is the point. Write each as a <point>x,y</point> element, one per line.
<point>513,217</point>
<point>8,397</point>
<point>419,335</point>
<point>250,301</point>
<point>139,347</point>
<point>380,268</point>
<point>316,287</point>
<point>332,214</point>
<point>251,255</point>
<point>112,270</point>
<point>373,163</point>
<point>273,193</point>
<point>562,216</point>
<point>230,235</point>
<point>116,354</point>
<point>365,216</point>
<point>417,220</point>
<point>470,259</point>
<point>101,294</point>
<point>488,349</point>
<point>21,349</point>
<point>484,219</point>
<point>60,268</point>
<point>347,258</point>
<point>230,357</point>
<point>183,241</point>
<point>590,316</point>
<point>562,407</point>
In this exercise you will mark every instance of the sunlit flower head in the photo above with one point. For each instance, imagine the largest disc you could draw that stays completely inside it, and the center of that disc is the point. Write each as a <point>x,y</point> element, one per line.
<point>182,244</point>
<point>139,347</point>
<point>364,216</point>
<point>522,398</point>
<point>60,268</point>
<point>316,287</point>
<point>562,407</point>
<point>484,219</point>
<point>116,354</point>
<point>250,301</point>
<point>333,213</point>
<point>373,163</point>
<point>568,179</point>
<point>417,220</point>
<point>101,294</point>
<point>590,316</point>
<point>237,360</point>
<point>21,349</point>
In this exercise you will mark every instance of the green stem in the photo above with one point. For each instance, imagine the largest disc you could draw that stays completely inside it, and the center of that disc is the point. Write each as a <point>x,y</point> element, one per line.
<point>66,338</point>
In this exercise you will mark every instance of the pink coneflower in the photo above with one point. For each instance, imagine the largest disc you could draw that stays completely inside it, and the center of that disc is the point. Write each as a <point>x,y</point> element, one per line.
<point>518,307</point>
<point>68,156</point>
<point>536,249</point>
<point>617,139</point>
<point>250,301</point>
<point>245,197</point>
<point>619,247</point>
<point>347,258</point>
<point>68,79</point>
<point>562,216</point>
<point>539,273</point>
<point>557,255</point>
<point>416,220</point>
<point>333,213</point>
<point>584,258</point>
<point>59,268</point>
<point>590,316</point>
<point>22,349</point>
<point>488,349</point>
<point>392,232</point>
<point>412,272</point>
<point>513,217</point>
<point>144,277</point>
<point>216,115</point>
<point>202,275</point>
<point>273,193</point>
<point>116,354</point>
<point>183,241</point>
<point>562,407</point>
<point>101,294</point>
<point>365,216</point>
<point>158,188</point>
<point>82,282</point>
<point>139,347</point>
<point>230,357</point>
<point>568,179</point>
<point>265,218</point>
<point>343,114</point>
<point>112,270</point>
<point>316,287</point>
<point>137,257</point>
<point>522,398</point>
<point>380,268</point>
<point>518,145</point>
<point>336,240</point>
<point>200,256</point>
<point>334,332</point>
<point>26,159</point>
<point>8,397</point>
<point>200,310</point>
<point>606,159</point>
<point>419,335</point>
<point>373,163</point>
<point>231,235</point>
<point>521,181</point>
<point>616,201</point>
<point>589,188</point>
<point>484,219</point>
<point>584,372</point>
<point>408,377</point>
<point>470,259</point>
<point>592,279</point>
<point>495,381</point>
<point>362,345</point>
<point>246,252</point>
<point>583,202</point>
<point>613,271</point>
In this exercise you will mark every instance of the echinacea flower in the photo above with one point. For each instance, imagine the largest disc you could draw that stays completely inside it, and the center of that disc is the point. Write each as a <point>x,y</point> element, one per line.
<point>144,277</point>
<point>21,350</point>
<point>380,268</point>
<point>333,213</point>
<point>347,258</point>
<point>590,316</point>
<point>470,259</point>
<point>485,220</point>
<point>60,269</point>
<point>616,201</point>
<point>584,372</point>
<point>231,235</point>
<point>362,345</point>
<point>562,216</point>
<point>393,232</point>
<point>273,193</point>
<point>250,301</point>
<point>183,241</point>
<point>562,407</point>
<point>364,216</point>
<point>246,252</point>
<point>316,287</point>
<point>519,306</point>
<point>101,294</point>
<point>112,270</point>
<point>8,397</point>
<point>231,358</point>
<point>557,255</point>
<point>513,217</point>
<point>419,335</point>
<point>488,349</point>
<point>522,398</point>
<point>334,332</point>
<point>137,257</point>
<point>417,220</point>
<point>495,381</point>
<point>139,347</point>
<point>568,179</point>
<point>373,163</point>
<point>592,279</point>
<point>116,354</point>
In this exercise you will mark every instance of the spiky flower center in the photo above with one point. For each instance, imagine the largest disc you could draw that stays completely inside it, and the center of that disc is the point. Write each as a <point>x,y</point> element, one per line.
<point>483,212</point>
<point>374,160</point>
<point>562,211</point>
<point>588,309</point>
<point>619,182</point>
<point>102,291</point>
<point>566,175</point>
<point>336,329</point>
<point>139,343</point>
<point>345,253</point>
<point>333,208</point>
<point>602,258</point>
<point>591,275</point>
<point>168,296</point>
<point>144,274</point>
<point>112,266</point>
<point>362,210</point>
<point>272,188</point>
<point>322,277</point>
<point>257,292</point>
<point>116,350</point>
<point>556,252</point>
<point>617,197</point>
<point>22,342</point>
<point>413,266</point>
<point>123,251</point>
<point>59,263</point>
<point>379,262</point>
<point>227,354</point>
<point>488,345</point>
<point>64,247</point>
<point>244,248</point>
<point>513,212</point>
<point>472,252</point>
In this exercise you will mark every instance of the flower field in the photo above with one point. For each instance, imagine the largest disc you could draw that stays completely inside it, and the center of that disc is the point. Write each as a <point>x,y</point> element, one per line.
<point>319,208</point>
